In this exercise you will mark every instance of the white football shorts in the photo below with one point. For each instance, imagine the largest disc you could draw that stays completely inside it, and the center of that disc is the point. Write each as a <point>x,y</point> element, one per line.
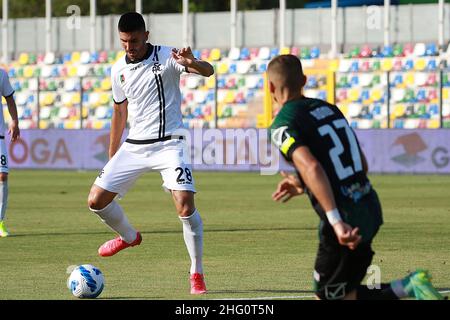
<point>3,157</point>
<point>131,161</point>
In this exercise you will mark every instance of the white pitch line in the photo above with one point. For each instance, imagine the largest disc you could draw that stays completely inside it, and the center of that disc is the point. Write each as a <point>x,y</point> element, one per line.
<point>289,297</point>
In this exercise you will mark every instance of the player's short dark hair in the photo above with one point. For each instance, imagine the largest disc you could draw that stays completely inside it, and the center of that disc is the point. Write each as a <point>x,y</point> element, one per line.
<point>289,68</point>
<point>131,22</point>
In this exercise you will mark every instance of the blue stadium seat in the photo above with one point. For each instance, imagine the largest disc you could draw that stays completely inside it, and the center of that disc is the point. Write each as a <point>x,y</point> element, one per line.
<point>431,50</point>
<point>245,54</point>
<point>354,67</point>
<point>409,65</point>
<point>312,82</point>
<point>274,52</point>
<point>388,51</point>
<point>354,81</point>
<point>315,52</point>
<point>432,65</point>
<point>233,68</point>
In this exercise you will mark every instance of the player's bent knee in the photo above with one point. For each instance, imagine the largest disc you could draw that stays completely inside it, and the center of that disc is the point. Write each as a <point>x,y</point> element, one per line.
<point>3,177</point>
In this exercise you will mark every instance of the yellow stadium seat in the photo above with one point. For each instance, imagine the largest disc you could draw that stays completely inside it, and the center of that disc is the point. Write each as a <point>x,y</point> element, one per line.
<point>446,94</point>
<point>409,79</point>
<point>215,55</point>
<point>98,124</point>
<point>44,124</point>
<point>211,82</point>
<point>24,58</point>
<point>344,109</point>
<point>420,64</point>
<point>285,50</point>
<point>399,111</point>
<point>433,124</point>
<point>106,84</point>
<point>48,99</point>
<point>69,124</point>
<point>386,65</point>
<point>28,71</point>
<point>353,94</point>
<point>73,71</point>
<point>104,98</point>
<point>76,57</point>
<point>223,68</point>
<point>85,112</point>
<point>76,98</point>
<point>230,97</point>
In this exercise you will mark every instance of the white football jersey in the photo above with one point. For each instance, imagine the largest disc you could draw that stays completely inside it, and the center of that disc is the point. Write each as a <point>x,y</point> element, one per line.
<point>152,88</point>
<point>6,91</point>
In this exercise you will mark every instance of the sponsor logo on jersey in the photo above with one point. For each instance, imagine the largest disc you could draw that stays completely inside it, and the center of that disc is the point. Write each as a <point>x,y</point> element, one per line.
<point>157,68</point>
<point>122,79</point>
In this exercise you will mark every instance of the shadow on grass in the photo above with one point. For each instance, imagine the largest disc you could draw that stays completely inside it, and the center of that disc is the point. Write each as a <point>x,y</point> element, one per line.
<point>57,234</point>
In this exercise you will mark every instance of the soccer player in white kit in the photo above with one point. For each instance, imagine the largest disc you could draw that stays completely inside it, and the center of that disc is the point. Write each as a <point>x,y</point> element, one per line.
<point>7,92</point>
<point>145,87</point>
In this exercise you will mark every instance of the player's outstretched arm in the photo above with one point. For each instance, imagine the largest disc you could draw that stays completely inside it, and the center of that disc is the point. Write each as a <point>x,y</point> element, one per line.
<point>118,124</point>
<point>13,130</point>
<point>317,182</point>
<point>186,58</point>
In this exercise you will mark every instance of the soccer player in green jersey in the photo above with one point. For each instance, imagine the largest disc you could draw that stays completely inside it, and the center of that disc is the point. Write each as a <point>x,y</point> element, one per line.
<point>331,169</point>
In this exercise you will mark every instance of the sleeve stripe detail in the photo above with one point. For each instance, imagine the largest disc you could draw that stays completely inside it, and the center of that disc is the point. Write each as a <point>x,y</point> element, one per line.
<point>119,102</point>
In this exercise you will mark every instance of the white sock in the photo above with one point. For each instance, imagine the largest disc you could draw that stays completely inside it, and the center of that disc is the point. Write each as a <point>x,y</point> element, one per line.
<point>3,198</point>
<point>112,215</point>
<point>193,237</point>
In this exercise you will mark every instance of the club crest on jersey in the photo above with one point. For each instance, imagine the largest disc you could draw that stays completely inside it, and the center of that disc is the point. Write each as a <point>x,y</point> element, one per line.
<point>157,68</point>
<point>122,79</point>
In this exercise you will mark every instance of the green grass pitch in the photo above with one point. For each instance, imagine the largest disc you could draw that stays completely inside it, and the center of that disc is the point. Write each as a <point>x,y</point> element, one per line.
<point>253,247</point>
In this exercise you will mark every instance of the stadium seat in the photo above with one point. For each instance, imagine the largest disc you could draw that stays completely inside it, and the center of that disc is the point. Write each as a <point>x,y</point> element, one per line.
<point>432,65</point>
<point>245,54</point>
<point>23,58</point>
<point>194,82</point>
<point>386,65</point>
<point>388,51</point>
<point>398,50</point>
<point>223,68</point>
<point>409,79</point>
<point>431,50</point>
<point>234,54</point>
<point>366,52</point>
<point>94,57</point>
<point>49,58</point>
<point>365,66</point>
<point>83,70</point>
<point>243,67</point>
<point>420,64</point>
<point>285,50</point>
<point>295,51</point>
<point>408,50</point>
<point>344,66</point>
<point>264,53</point>
<point>254,52</point>
<point>215,55</point>
<point>431,80</point>
<point>419,49</point>
<point>315,53</point>
<point>274,52</point>
<point>106,84</point>
<point>420,79</point>
<point>85,57</point>
<point>342,96</point>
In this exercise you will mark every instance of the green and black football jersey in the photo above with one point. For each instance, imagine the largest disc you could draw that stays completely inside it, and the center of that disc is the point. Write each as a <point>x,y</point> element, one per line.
<point>324,130</point>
